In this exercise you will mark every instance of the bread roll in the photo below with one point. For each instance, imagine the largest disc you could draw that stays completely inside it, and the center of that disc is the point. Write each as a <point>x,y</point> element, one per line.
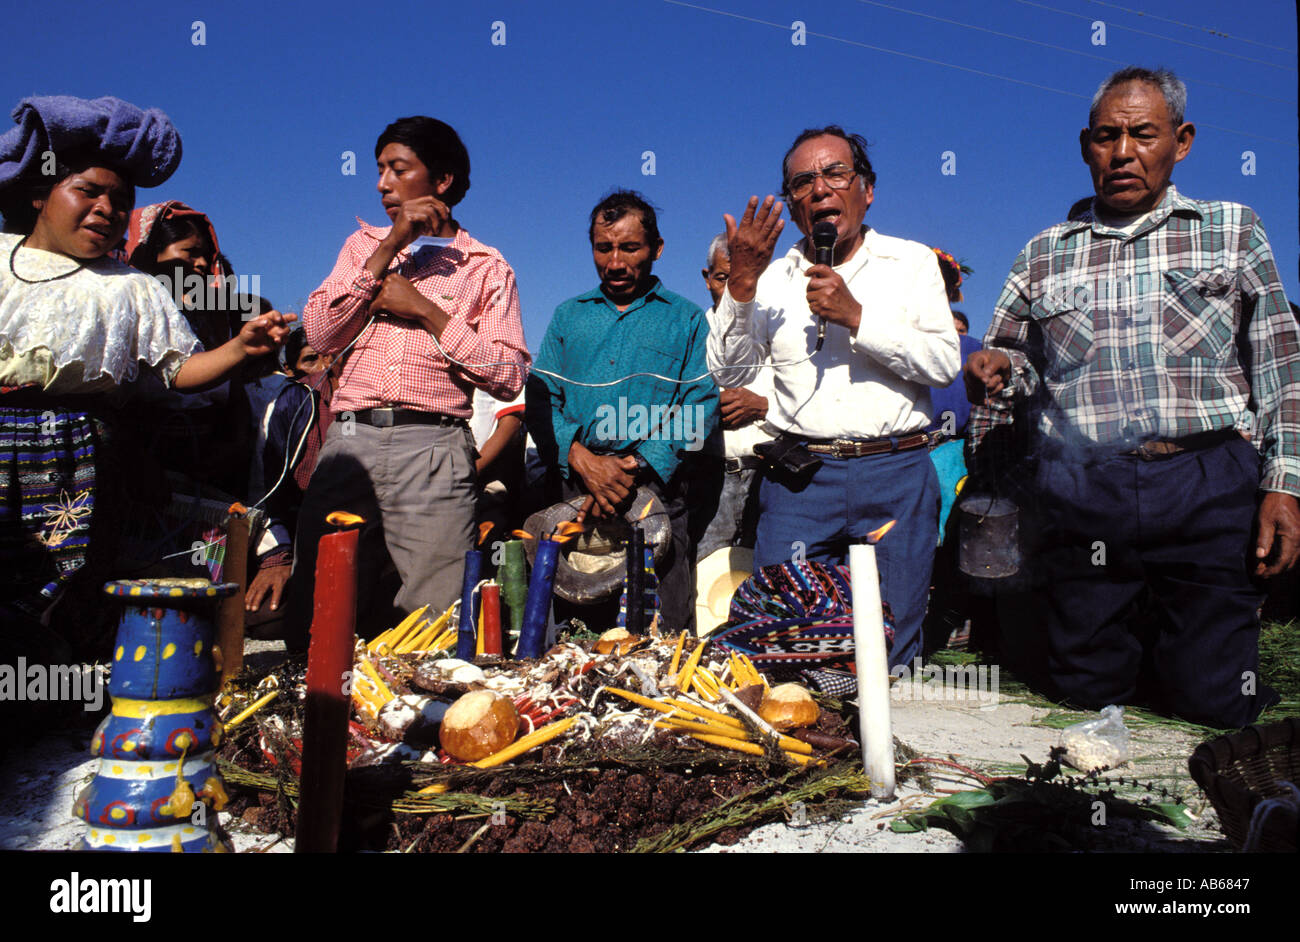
<point>789,705</point>
<point>478,724</point>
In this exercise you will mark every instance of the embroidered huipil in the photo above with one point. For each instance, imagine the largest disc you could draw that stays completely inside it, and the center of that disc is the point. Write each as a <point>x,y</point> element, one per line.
<point>1178,327</point>
<point>396,362</point>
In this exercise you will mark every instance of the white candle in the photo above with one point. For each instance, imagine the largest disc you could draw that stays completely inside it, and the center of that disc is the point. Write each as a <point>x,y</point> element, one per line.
<point>873,670</point>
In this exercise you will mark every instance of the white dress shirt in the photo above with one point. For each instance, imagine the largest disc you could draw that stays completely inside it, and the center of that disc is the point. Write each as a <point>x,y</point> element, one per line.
<point>870,384</point>
<point>740,442</point>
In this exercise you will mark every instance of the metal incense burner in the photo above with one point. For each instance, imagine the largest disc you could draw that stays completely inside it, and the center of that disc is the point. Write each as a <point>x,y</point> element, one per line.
<point>988,536</point>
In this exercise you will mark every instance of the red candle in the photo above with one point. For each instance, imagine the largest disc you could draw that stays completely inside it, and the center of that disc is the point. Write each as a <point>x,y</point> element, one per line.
<point>329,687</point>
<point>490,600</point>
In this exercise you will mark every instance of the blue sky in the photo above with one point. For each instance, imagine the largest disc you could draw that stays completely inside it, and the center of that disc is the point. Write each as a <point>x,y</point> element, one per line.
<point>568,106</point>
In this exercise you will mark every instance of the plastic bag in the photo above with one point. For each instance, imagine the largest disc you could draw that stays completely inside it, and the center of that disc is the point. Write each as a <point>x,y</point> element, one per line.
<point>1100,743</point>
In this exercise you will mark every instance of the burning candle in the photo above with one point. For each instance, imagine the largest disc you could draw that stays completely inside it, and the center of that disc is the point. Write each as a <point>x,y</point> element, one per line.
<point>514,585</point>
<point>491,602</point>
<point>872,665</point>
<point>533,634</point>
<point>635,621</point>
<point>467,637</point>
<point>329,664</point>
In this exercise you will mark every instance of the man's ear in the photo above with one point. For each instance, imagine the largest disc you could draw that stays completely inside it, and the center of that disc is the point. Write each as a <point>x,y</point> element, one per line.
<point>1083,145</point>
<point>705,273</point>
<point>1185,134</point>
<point>444,184</point>
<point>659,250</point>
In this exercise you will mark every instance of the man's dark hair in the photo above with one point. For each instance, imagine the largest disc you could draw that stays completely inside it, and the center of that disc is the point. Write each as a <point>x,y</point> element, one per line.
<point>437,145</point>
<point>962,317</point>
<point>857,145</point>
<point>617,204</point>
<point>293,346</point>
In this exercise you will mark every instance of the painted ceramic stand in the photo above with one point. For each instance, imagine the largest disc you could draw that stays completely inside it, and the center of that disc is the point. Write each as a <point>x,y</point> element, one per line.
<point>157,788</point>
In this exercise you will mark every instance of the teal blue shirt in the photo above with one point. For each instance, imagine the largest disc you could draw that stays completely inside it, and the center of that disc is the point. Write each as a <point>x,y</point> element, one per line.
<point>592,341</point>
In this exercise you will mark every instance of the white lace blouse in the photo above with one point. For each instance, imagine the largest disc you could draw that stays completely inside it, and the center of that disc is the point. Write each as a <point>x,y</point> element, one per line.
<point>87,332</point>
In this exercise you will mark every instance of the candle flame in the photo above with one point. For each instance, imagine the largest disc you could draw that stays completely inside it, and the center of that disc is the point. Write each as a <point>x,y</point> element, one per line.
<point>877,534</point>
<point>237,510</point>
<point>484,529</point>
<point>566,531</point>
<point>522,535</point>
<point>645,511</point>
<point>341,518</point>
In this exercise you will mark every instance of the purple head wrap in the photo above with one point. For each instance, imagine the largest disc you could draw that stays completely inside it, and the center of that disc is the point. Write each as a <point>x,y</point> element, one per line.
<point>144,144</point>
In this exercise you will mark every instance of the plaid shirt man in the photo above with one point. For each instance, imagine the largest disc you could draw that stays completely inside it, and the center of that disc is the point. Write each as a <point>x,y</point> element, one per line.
<point>1176,327</point>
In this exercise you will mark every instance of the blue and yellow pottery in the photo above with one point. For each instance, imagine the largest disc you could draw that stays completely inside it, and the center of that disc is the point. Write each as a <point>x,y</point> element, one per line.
<point>156,747</point>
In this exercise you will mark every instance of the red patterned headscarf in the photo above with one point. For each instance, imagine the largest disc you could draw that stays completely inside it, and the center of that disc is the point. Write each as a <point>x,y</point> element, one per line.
<point>144,219</point>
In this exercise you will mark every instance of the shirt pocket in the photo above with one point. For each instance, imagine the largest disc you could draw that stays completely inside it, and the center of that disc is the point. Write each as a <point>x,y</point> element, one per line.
<point>1198,313</point>
<point>1065,318</point>
<point>655,390</point>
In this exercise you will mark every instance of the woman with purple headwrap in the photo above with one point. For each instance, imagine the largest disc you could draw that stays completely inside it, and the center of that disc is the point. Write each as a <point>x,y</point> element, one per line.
<point>74,326</point>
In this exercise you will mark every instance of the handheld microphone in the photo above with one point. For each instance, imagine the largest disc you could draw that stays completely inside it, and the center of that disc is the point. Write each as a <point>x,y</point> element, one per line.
<point>824,235</point>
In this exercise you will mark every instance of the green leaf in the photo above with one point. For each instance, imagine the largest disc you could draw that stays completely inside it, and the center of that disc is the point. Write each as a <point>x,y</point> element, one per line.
<point>1175,814</point>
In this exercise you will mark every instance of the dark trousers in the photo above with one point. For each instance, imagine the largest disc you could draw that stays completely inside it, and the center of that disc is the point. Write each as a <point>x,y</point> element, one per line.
<point>1173,535</point>
<point>845,499</point>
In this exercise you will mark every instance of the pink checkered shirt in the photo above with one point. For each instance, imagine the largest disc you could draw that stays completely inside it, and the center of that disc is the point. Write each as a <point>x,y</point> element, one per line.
<point>395,361</point>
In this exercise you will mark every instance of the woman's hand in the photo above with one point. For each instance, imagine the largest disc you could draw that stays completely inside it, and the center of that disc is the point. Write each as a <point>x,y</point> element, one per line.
<point>258,337</point>
<point>265,334</point>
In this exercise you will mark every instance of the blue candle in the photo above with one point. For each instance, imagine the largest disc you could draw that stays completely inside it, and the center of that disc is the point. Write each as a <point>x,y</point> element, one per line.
<point>467,636</point>
<point>538,606</point>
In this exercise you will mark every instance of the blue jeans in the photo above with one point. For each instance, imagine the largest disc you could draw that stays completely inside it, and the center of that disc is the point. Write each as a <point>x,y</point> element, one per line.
<point>844,500</point>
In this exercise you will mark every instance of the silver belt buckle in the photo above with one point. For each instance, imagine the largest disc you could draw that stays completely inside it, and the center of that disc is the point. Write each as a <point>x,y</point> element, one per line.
<point>382,417</point>
<point>838,446</point>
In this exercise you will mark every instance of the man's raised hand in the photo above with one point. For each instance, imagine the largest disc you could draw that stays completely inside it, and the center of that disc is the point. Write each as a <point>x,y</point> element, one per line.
<point>422,216</point>
<point>751,243</point>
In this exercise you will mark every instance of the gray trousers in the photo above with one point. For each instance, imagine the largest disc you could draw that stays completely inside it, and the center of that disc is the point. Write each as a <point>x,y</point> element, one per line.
<point>737,515</point>
<point>414,485</point>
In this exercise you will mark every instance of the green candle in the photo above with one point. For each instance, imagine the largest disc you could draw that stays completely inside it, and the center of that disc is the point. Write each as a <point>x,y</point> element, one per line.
<point>513,576</point>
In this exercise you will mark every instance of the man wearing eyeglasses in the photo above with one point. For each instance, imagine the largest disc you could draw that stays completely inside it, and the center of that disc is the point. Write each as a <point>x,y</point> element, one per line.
<point>859,401</point>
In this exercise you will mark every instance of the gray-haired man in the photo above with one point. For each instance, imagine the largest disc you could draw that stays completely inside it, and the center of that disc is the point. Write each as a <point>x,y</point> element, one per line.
<point>1151,339</point>
<point>743,410</point>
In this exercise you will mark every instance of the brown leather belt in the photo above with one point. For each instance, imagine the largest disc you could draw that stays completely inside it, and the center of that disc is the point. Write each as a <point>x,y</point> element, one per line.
<point>1158,448</point>
<point>861,448</point>
<point>743,463</point>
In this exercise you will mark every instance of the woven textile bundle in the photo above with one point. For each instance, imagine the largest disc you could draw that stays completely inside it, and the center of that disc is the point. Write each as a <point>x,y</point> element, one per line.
<point>794,620</point>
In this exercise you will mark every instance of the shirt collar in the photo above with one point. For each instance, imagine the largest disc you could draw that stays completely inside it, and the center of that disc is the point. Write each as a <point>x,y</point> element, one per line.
<point>1172,202</point>
<point>462,242</point>
<point>595,294</point>
<point>874,245</point>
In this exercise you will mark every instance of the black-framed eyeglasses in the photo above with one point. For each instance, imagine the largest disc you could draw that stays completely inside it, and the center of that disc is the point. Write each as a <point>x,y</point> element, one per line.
<point>837,177</point>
